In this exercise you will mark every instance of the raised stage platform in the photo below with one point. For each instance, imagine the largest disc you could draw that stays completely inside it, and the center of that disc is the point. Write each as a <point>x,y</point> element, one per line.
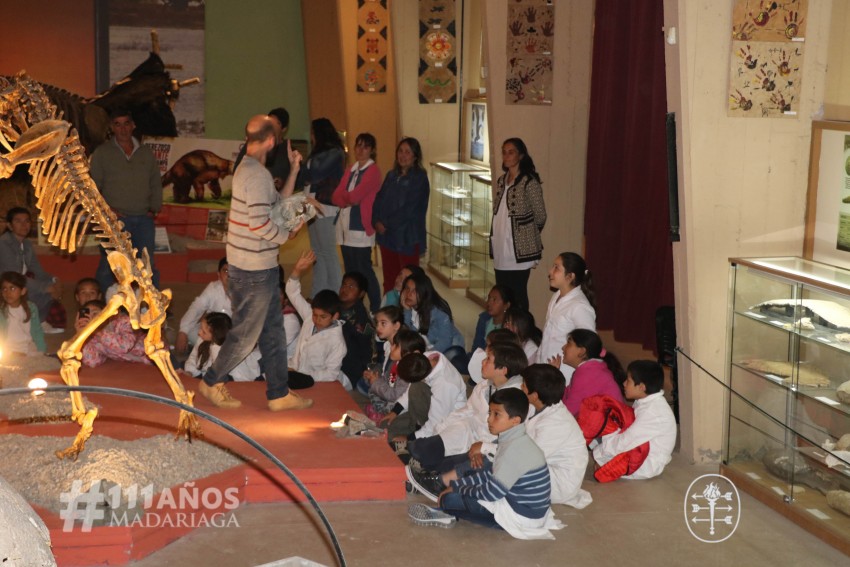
<point>333,469</point>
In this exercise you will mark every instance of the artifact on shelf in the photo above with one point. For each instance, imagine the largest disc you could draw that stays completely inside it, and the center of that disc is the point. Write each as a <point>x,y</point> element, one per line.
<point>843,393</point>
<point>788,465</point>
<point>838,453</point>
<point>806,375</point>
<point>804,323</point>
<point>839,500</point>
<point>821,312</point>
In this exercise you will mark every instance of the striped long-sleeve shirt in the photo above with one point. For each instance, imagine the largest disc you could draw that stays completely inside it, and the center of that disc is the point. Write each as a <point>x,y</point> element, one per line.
<point>253,240</point>
<point>519,475</point>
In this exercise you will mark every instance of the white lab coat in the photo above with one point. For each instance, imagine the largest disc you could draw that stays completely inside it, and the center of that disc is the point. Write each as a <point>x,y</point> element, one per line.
<point>468,424</point>
<point>560,438</point>
<point>654,422</point>
<point>573,311</point>
<point>212,300</point>
<point>318,355</point>
<point>448,393</point>
<point>246,371</point>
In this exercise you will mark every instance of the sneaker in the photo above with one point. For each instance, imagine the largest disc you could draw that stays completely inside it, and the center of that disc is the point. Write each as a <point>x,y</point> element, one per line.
<point>49,329</point>
<point>400,447</point>
<point>415,465</point>
<point>429,484</point>
<point>290,401</point>
<point>423,515</point>
<point>218,395</point>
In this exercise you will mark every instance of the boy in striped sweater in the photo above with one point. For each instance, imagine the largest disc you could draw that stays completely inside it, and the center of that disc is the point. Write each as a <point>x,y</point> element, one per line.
<point>512,493</point>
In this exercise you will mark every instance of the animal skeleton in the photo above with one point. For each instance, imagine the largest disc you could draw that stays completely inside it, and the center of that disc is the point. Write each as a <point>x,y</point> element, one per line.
<point>68,202</point>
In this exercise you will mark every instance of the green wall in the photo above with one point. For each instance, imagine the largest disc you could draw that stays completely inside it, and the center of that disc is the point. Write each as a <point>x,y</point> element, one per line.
<point>254,62</point>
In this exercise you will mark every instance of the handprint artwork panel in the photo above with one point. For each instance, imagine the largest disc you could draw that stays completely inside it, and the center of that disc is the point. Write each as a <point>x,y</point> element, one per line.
<point>765,79</point>
<point>766,20</point>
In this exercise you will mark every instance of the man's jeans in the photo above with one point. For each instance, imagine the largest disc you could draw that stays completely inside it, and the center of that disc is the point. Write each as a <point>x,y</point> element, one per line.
<point>257,316</point>
<point>142,235</point>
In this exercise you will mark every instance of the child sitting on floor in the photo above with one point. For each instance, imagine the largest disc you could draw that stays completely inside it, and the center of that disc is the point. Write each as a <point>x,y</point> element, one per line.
<point>448,393</point>
<point>358,330</point>
<point>393,296</point>
<point>20,327</point>
<point>86,290</point>
<point>556,433</point>
<point>522,323</point>
<point>214,298</point>
<point>477,358</point>
<point>654,422</point>
<point>113,340</point>
<point>384,387</point>
<point>213,330</point>
<point>498,302</point>
<point>453,437</point>
<point>513,493</point>
<point>321,346</point>
<point>597,371</point>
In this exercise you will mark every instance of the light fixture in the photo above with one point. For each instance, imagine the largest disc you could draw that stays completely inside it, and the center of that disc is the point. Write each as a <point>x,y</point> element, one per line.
<point>36,385</point>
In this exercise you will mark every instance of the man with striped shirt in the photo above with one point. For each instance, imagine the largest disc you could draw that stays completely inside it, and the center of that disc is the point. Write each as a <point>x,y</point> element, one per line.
<point>253,245</point>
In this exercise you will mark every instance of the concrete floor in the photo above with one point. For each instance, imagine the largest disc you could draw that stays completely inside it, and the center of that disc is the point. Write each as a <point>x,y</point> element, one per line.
<point>635,523</point>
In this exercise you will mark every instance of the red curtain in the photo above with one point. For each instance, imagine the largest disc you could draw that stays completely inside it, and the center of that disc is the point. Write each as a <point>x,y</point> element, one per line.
<point>627,240</point>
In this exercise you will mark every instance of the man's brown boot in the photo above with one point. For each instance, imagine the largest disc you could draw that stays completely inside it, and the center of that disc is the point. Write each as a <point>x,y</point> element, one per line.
<point>219,396</point>
<point>291,401</point>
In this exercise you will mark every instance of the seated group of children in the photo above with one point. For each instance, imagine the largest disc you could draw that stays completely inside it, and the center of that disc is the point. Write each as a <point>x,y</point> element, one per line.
<point>498,457</point>
<point>501,456</point>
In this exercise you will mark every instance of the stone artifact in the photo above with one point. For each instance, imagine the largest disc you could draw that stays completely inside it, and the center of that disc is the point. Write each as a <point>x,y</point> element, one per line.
<point>826,313</point>
<point>69,203</point>
<point>806,375</point>
<point>791,467</point>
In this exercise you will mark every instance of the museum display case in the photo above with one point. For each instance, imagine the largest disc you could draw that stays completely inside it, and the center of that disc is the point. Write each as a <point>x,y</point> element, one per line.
<point>482,278</point>
<point>787,433</point>
<point>450,222</point>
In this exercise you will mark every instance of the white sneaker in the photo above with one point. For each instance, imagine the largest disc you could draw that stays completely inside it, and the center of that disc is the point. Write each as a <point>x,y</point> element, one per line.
<point>423,515</point>
<point>50,330</point>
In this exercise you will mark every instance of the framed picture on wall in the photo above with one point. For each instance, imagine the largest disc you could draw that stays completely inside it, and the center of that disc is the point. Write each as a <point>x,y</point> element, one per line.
<point>827,231</point>
<point>476,140</point>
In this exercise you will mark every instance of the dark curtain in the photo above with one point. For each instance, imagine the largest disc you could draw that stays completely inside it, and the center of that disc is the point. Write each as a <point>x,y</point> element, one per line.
<point>627,241</point>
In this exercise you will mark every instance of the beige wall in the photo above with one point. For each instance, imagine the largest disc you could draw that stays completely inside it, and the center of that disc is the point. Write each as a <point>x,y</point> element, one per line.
<point>742,189</point>
<point>434,125</point>
<point>556,135</point>
<point>837,97</point>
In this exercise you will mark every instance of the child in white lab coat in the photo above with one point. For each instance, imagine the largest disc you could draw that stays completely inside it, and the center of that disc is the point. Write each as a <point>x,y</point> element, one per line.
<point>321,346</point>
<point>654,422</point>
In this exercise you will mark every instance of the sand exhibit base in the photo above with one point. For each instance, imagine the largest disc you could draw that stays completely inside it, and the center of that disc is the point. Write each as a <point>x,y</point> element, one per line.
<point>150,489</point>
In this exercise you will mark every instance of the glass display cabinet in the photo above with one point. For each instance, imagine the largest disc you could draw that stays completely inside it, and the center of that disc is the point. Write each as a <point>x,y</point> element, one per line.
<point>787,434</point>
<point>482,278</point>
<point>450,222</point>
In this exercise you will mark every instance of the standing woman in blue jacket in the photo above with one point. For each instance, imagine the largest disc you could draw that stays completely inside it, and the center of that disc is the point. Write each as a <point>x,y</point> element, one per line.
<point>322,174</point>
<point>400,211</point>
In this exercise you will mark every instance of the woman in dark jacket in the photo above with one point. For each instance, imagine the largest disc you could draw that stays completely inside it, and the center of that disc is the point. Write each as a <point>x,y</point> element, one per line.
<point>322,174</point>
<point>519,215</point>
<point>400,210</point>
